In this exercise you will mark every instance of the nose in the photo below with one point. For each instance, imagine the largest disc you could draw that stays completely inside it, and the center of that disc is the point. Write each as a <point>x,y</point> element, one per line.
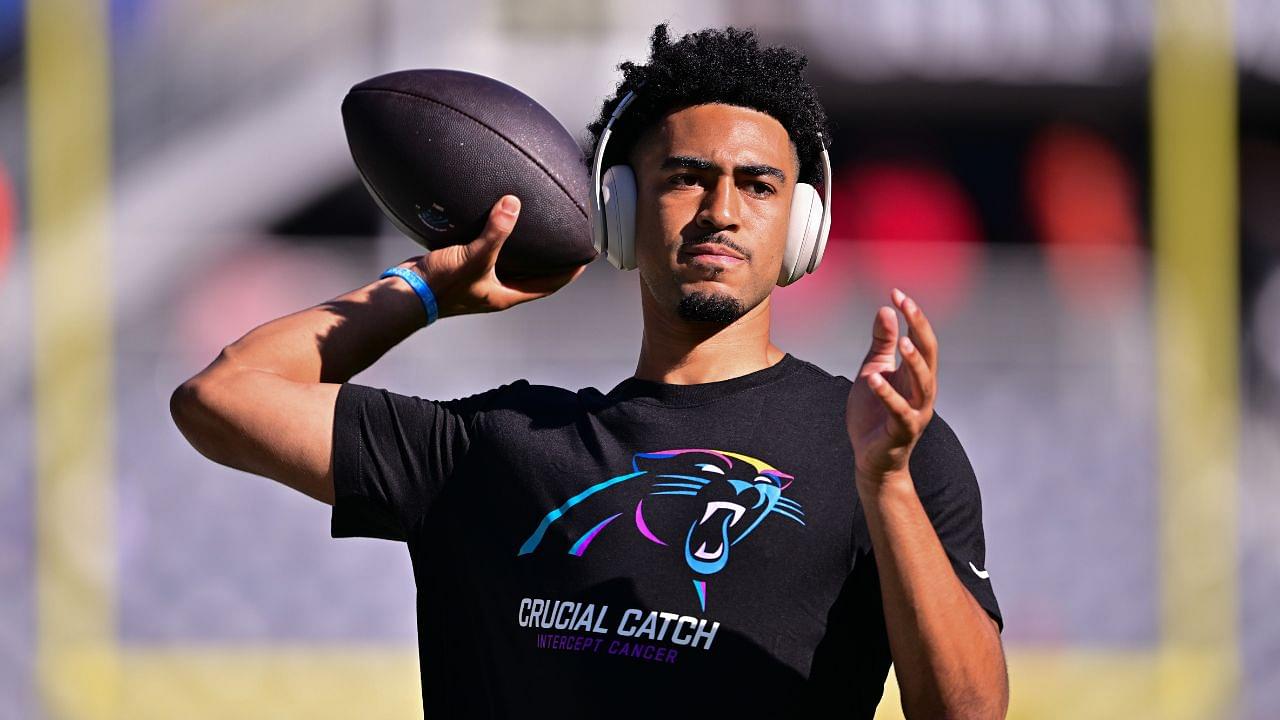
<point>720,206</point>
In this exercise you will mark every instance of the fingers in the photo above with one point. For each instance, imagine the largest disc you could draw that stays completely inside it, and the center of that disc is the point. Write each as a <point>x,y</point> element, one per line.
<point>918,328</point>
<point>901,414</point>
<point>502,219</point>
<point>923,384</point>
<point>884,337</point>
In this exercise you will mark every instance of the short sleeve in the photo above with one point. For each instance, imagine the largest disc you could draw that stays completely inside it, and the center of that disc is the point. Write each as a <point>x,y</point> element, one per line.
<point>393,453</point>
<point>948,490</point>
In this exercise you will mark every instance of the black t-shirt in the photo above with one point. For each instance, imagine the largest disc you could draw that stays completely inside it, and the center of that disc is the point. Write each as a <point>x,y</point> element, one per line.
<point>659,550</point>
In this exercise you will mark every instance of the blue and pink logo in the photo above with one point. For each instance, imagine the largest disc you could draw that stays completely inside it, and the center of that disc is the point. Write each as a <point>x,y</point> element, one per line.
<point>701,501</point>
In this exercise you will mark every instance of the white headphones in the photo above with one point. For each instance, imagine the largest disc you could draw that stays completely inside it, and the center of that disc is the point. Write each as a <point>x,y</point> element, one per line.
<point>613,213</point>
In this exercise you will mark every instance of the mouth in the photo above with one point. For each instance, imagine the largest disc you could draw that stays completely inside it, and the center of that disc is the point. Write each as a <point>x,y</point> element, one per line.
<point>712,531</point>
<point>717,261</point>
<point>735,508</point>
<point>713,254</point>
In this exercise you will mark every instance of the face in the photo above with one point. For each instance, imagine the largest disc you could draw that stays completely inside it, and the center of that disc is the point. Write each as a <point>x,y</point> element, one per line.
<point>713,194</point>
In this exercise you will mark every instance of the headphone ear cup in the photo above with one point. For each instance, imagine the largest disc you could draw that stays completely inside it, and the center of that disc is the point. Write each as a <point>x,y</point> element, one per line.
<point>599,233</point>
<point>619,191</point>
<point>803,230</point>
<point>821,246</point>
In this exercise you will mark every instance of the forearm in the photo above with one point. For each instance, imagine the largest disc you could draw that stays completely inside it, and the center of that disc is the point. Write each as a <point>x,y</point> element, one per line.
<point>332,341</point>
<point>946,649</point>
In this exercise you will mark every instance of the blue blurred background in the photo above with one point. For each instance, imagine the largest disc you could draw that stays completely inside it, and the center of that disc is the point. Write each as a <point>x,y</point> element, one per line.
<point>1083,194</point>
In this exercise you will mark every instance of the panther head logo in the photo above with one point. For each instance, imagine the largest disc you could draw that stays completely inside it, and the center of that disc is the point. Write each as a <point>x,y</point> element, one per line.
<point>696,503</point>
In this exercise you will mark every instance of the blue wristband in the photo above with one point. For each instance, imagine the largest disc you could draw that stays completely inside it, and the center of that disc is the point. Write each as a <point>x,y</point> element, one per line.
<point>419,286</point>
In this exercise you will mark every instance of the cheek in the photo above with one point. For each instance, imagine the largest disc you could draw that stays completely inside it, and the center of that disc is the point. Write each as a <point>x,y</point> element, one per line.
<point>674,210</point>
<point>660,220</point>
<point>772,223</point>
<point>774,214</point>
<point>648,230</point>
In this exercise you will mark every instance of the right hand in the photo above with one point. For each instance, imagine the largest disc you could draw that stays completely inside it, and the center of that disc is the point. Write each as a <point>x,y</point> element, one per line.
<point>462,277</point>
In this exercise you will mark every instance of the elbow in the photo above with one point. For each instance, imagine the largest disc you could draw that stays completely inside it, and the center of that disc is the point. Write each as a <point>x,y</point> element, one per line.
<point>188,407</point>
<point>1002,705</point>
<point>973,708</point>
<point>191,404</point>
<point>182,405</point>
<point>988,698</point>
<point>996,709</point>
<point>994,706</point>
<point>193,408</point>
<point>992,702</point>
<point>978,698</point>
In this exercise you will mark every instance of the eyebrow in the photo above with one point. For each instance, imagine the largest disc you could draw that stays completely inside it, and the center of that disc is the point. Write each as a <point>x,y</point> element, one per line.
<point>697,163</point>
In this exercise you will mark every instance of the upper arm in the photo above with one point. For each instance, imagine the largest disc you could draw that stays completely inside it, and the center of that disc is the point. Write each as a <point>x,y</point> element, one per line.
<point>948,491</point>
<point>262,423</point>
<point>393,455</point>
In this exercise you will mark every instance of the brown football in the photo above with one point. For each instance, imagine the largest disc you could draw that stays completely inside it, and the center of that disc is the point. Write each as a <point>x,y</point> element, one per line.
<point>437,148</point>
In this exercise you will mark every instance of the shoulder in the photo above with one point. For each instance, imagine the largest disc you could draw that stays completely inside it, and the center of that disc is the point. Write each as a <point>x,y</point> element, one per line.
<point>806,370</point>
<point>939,449</point>
<point>523,399</point>
<point>941,471</point>
<point>487,400</point>
<point>817,382</point>
<point>939,465</point>
<point>938,460</point>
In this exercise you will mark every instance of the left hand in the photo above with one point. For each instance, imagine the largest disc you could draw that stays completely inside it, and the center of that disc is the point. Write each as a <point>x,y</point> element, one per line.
<point>890,405</point>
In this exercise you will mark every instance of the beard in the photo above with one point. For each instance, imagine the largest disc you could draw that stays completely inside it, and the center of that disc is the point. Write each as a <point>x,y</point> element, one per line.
<point>710,307</point>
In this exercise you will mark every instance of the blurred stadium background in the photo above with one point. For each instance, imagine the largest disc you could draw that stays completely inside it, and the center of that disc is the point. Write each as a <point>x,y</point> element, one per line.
<point>1084,194</point>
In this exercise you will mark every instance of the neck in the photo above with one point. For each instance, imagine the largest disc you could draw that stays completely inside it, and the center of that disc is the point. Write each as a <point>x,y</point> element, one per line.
<point>683,352</point>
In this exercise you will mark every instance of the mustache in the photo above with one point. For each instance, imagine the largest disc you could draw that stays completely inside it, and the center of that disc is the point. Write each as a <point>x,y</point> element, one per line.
<point>717,238</point>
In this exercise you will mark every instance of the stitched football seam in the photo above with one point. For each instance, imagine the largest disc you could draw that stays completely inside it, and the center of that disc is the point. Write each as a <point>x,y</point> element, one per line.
<point>546,171</point>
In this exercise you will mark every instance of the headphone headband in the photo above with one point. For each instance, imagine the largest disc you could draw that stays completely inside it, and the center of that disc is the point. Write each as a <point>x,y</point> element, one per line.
<point>810,243</point>
<point>630,97</point>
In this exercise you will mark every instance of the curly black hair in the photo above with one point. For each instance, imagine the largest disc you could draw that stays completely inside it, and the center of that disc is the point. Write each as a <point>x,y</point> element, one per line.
<point>722,66</point>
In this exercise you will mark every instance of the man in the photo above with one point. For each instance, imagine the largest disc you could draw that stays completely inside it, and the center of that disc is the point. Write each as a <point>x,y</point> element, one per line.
<point>731,530</point>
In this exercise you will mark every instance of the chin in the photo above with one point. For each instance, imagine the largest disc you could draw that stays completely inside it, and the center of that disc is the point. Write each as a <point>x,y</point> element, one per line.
<point>706,306</point>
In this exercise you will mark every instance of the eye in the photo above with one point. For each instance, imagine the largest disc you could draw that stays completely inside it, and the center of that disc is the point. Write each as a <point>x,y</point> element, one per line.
<point>684,180</point>
<point>759,188</point>
<point>708,467</point>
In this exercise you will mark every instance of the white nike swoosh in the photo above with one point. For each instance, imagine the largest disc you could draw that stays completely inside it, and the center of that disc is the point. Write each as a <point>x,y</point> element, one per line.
<point>980,573</point>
